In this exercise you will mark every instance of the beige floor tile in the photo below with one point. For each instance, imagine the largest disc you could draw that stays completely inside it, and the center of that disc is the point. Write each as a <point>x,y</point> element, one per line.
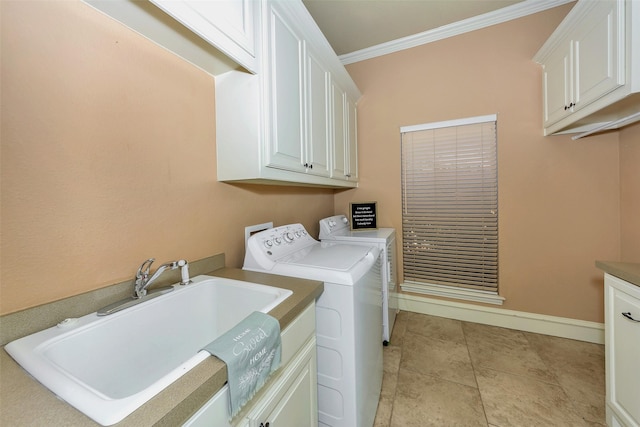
<point>442,372</point>
<point>383,414</point>
<point>579,367</point>
<point>505,350</point>
<point>399,328</point>
<point>391,360</point>
<point>448,360</point>
<point>513,400</point>
<point>423,400</point>
<point>435,327</point>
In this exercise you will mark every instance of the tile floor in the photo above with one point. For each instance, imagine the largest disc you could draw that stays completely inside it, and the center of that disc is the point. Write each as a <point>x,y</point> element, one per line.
<point>443,372</point>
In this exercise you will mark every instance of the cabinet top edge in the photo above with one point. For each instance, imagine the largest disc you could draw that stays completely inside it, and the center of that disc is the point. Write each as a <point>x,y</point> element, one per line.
<point>624,270</point>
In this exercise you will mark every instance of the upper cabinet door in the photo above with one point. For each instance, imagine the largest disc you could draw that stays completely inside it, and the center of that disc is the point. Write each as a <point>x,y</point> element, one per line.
<point>285,93</point>
<point>317,147</point>
<point>229,25</point>
<point>352,138</point>
<point>338,134</point>
<point>599,52</point>
<point>557,81</point>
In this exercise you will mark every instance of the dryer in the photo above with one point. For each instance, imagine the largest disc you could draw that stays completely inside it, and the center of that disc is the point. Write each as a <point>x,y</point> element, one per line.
<point>337,229</point>
<point>348,347</point>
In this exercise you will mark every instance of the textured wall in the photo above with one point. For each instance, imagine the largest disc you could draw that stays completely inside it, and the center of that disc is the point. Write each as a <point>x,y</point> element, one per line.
<point>559,199</point>
<point>108,158</point>
<point>630,193</point>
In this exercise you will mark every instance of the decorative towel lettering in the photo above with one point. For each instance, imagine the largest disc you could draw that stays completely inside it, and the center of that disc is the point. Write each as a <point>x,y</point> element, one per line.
<point>252,351</point>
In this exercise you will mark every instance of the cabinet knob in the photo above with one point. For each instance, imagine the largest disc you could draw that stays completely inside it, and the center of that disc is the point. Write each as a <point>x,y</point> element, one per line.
<point>630,317</point>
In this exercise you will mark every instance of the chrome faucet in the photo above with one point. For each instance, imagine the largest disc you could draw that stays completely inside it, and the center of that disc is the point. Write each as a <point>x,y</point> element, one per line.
<point>143,281</point>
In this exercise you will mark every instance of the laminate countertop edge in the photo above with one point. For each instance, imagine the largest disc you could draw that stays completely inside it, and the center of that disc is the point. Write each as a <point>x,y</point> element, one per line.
<point>627,271</point>
<point>24,401</point>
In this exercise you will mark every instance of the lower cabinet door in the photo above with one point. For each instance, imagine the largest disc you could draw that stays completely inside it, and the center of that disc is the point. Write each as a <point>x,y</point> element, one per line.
<point>293,402</point>
<point>623,351</point>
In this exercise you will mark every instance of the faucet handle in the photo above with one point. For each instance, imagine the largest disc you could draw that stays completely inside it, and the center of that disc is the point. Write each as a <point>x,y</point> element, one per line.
<point>144,269</point>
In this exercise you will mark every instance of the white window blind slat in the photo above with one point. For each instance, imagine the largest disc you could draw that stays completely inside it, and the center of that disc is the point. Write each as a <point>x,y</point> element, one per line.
<point>450,204</point>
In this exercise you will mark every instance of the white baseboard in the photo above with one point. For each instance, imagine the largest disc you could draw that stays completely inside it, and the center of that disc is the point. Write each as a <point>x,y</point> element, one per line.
<point>530,322</point>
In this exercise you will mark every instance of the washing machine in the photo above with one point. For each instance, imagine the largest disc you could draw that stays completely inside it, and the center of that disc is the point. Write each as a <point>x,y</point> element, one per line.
<point>348,347</point>
<point>337,229</point>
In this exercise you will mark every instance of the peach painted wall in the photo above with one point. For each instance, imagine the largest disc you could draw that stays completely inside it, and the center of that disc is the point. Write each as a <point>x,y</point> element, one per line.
<point>559,199</point>
<point>630,193</point>
<point>108,158</point>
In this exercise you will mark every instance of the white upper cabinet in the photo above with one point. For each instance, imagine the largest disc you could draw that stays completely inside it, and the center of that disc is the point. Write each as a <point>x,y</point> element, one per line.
<point>298,93</point>
<point>588,65</point>
<point>285,91</point>
<point>226,24</point>
<point>318,126</point>
<point>344,138</point>
<point>282,125</point>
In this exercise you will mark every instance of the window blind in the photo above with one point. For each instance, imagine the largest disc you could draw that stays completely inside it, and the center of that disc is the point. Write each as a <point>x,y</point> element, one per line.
<point>450,203</point>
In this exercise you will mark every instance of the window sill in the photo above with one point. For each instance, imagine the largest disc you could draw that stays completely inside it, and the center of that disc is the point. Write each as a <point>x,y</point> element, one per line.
<point>451,292</point>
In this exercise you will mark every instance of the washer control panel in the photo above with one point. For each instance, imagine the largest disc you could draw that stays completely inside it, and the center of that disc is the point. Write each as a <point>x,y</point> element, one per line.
<point>278,242</point>
<point>333,225</point>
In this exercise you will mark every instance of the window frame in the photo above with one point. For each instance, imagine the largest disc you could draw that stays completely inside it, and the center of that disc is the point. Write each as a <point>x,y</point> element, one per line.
<point>445,190</point>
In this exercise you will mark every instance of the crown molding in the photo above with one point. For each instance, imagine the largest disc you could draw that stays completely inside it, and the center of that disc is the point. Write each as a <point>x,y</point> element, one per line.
<point>518,10</point>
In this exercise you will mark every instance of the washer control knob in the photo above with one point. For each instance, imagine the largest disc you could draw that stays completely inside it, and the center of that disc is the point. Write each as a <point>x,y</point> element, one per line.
<point>345,220</point>
<point>288,237</point>
<point>277,240</point>
<point>268,243</point>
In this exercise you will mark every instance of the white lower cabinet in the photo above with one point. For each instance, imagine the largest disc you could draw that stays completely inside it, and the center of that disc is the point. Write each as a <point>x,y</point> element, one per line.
<point>622,346</point>
<point>289,399</point>
<point>291,402</point>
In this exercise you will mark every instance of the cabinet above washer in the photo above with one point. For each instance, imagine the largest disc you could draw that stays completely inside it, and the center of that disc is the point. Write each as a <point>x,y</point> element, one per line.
<point>591,68</point>
<point>293,123</point>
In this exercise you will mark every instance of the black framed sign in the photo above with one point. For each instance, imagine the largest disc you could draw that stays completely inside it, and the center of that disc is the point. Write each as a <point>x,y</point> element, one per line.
<point>363,216</point>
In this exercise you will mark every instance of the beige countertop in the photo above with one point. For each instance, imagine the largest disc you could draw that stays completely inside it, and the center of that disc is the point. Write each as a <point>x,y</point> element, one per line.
<point>624,270</point>
<point>24,402</point>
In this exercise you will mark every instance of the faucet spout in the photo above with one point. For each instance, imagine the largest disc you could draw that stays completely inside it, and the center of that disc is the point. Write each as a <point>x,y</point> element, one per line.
<point>143,281</point>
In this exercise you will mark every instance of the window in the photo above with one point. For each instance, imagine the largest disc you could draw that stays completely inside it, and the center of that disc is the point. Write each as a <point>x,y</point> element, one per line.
<point>450,208</point>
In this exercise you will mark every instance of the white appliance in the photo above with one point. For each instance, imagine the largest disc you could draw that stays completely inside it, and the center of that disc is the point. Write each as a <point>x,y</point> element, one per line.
<point>336,229</point>
<point>349,350</point>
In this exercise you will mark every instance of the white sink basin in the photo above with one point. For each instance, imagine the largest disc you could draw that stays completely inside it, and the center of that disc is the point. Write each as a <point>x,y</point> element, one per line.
<point>108,366</point>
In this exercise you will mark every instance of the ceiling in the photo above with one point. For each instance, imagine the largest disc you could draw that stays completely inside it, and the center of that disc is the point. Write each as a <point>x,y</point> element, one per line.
<point>353,25</point>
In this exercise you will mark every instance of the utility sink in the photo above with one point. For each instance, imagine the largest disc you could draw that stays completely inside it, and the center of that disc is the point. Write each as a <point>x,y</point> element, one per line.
<point>108,366</point>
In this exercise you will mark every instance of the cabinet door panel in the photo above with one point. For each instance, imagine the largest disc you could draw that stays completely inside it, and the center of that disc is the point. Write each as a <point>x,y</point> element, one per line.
<point>338,153</point>
<point>352,139</point>
<point>598,59</point>
<point>296,408</point>
<point>557,82</point>
<point>286,50</point>
<point>317,153</point>
<point>625,395</point>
